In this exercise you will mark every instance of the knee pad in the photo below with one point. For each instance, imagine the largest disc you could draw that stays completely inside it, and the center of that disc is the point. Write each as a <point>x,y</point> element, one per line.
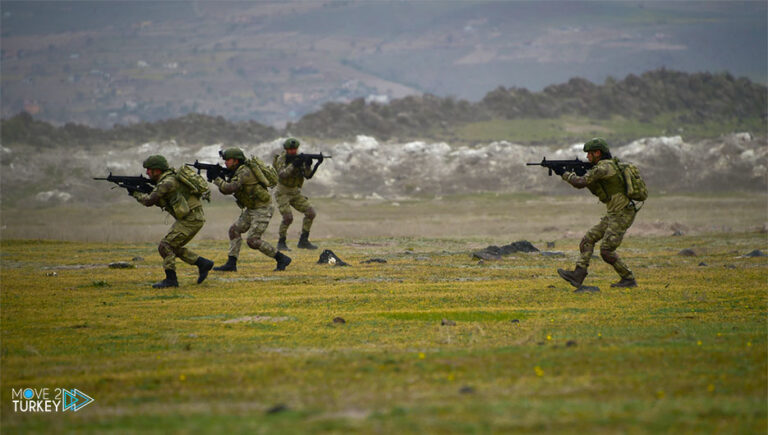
<point>254,243</point>
<point>234,233</point>
<point>609,257</point>
<point>310,213</point>
<point>164,249</point>
<point>287,218</point>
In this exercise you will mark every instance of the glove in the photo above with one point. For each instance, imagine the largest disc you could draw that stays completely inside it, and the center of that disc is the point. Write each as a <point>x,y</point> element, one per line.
<point>559,170</point>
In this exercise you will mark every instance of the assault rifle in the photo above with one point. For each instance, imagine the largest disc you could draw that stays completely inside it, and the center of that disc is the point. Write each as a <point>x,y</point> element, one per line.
<point>305,160</point>
<point>212,170</point>
<point>133,184</point>
<point>562,166</point>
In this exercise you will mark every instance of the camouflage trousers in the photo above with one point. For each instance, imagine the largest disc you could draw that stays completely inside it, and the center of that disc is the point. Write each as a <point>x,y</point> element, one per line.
<point>611,230</point>
<point>181,232</point>
<point>255,222</point>
<point>288,197</point>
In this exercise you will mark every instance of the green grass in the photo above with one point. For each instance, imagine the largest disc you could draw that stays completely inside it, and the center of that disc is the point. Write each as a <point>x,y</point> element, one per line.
<point>684,352</point>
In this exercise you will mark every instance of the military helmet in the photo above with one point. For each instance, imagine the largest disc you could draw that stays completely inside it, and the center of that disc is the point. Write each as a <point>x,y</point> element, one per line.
<point>291,143</point>
<point>156,162</point>
<point>597,143</point>
<point>233,153</point>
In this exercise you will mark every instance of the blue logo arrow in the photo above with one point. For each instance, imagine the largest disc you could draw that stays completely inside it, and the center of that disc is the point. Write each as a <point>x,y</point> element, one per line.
<point>74,399</point>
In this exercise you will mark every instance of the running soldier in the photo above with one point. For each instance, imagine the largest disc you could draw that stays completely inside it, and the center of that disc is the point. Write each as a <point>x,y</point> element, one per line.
<point>605,181</point>
<point>176,198</point>
<point>249,185</point>
<point>291,178</point>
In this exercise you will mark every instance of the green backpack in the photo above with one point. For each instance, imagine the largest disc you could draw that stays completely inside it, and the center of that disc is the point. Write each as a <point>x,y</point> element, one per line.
<point>197,185</point>
<point>267,175</point>
<point>634,184</point>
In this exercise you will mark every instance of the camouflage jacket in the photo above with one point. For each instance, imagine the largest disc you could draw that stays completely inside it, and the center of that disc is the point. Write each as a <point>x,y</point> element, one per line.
<point>246,188</point>
<point>170,195</point>
<point>605,182</point>
<point>288,174</point>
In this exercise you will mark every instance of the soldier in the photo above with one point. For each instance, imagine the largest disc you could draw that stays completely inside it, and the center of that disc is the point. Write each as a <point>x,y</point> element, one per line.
<point>254,198</point>
<point>174,197</point>
<point>291,178</point>
<point>606,182</point>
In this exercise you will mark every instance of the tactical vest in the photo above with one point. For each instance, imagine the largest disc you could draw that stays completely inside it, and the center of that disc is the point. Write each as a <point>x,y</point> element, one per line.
<point>296,179</point>
<point>605,188</point>
<point>251,194</point>
<point>178,201</point>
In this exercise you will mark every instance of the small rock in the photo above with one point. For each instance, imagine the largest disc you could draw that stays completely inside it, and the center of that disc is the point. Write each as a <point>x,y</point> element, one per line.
<point>277,409</point>
<point>137,259</point>
<point>373,260</point>
<point>51,274</point>
<point>339,320</point>
<point>677,233</point>
<point>551,286</point>
<point>514,321</point>
<point>466,390</point>
<point>587,289</point>
<point>421,258</point>
<point>756,253</point>
<point>687,252</point>
<point>447,322</point>
<point>550,244</point>
<point>570,343</point>
<point>485,255</point>
<point>702,264</point>
<point>121,265</point>
<point>552,254</point>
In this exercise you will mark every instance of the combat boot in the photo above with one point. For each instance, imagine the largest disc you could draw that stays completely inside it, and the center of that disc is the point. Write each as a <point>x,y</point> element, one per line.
<point>282,261</point>
<point>169,281</point>
<point>575,277</point>
<point>625,282</point>
<point>304,242</point>
<point>229,266</point>
<point>281,246</point>
<point>204,266</point>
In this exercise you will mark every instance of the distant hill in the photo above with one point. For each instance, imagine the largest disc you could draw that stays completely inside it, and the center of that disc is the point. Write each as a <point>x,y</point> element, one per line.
<point>671,97</point>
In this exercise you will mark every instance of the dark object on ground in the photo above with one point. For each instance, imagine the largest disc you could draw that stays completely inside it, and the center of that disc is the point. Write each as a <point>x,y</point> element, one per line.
<point>373,260</point>
<point>137,259</point>
<point>446,322</point>
<point>702,264</point>
<point>514,321</point>
<point>552,254</point>
<point>587,289</point>
<point>550,244</point>
<point>466,390</point>
<point>677,233</point>
<point>328,257</point>
<point>494,252</point>
<point>687,252</point>
<point>756,253</point>
<point>625,283</point>
<point>339,320</point>
<point>570,343</point>
<point>277,409</point>
<point>574,277</point>
<point>121,265</point>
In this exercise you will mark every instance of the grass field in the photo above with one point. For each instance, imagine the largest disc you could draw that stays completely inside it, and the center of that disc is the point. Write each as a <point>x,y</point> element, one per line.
<point>258,351</point>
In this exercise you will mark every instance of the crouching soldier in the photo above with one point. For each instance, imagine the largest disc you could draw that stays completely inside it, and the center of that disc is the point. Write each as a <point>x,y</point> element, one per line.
<point>605,181</point>
<point>292,174</point>
<point>176,198</point>
<point>249,185</point>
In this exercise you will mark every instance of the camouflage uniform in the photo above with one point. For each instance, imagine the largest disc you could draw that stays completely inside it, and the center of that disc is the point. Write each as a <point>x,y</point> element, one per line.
<point>288,195</point>
<point>256,203</point>
<point>605,182</point>
<point>175,198</point>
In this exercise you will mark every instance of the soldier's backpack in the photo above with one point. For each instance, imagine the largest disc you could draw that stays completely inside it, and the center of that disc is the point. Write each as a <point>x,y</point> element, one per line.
<point>267,175</point>
<point>634,184</point>
<point>197,185</point>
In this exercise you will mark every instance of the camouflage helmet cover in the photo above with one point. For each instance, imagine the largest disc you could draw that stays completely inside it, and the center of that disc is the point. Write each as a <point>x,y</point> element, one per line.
<point>233,153</point>
<point>291,143</point>
<point>597,143</point>
<point>156,162</point>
